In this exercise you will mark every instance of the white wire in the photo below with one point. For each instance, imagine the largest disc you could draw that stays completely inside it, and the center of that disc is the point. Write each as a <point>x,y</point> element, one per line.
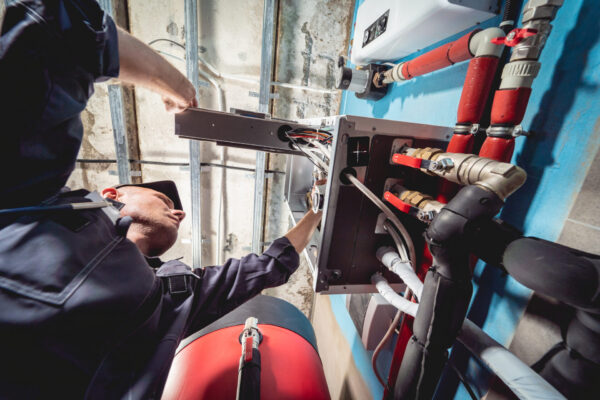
<point>324,150</point>
<point>411,256</point>
<point>316,154</point>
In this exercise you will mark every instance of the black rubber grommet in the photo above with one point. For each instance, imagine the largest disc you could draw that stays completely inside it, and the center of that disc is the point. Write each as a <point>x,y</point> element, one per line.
<point>347,170</point>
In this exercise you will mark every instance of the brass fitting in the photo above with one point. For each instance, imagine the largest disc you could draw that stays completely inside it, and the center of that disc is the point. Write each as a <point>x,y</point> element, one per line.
<point>421,201</point>
<point>427,153</point>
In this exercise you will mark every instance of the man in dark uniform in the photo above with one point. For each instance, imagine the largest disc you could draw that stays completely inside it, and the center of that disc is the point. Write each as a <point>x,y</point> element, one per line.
<point>82,314</point>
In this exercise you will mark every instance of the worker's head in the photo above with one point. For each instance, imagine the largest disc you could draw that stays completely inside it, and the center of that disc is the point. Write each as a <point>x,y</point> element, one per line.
<point>156,215</point>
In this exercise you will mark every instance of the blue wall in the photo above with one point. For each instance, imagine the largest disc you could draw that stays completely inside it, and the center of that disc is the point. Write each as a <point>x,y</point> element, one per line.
<point>563,114</point>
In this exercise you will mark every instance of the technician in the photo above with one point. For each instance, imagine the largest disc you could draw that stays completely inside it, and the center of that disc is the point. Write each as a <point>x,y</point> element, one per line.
<point>82,313</point>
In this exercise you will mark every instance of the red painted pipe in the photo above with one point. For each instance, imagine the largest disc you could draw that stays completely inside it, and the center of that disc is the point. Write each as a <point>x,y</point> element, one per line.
<point>508,109</point>
<point>498,148</point>
<point>476,89</point>
<point>460,143</point>
<point>509,106</point>
<point>439,58</point>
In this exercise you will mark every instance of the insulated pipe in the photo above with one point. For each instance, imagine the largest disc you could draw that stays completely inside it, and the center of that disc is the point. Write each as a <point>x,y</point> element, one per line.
<point>438,58</point>
<point>385,290</point>
<point>446,292</point>
<point>403,269</point>
<point>521,379</point>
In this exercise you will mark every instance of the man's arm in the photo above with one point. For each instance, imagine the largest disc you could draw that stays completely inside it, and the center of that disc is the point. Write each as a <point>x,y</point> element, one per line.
<point>140,65</point>
<point>224,287</point>
<point>300,235</point>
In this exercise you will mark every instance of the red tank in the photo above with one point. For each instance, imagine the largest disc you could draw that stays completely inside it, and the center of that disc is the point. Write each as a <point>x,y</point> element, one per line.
<point>206,364</point>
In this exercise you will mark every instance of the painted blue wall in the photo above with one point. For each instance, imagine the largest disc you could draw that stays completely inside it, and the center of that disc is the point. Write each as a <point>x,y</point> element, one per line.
<point>563,114</point>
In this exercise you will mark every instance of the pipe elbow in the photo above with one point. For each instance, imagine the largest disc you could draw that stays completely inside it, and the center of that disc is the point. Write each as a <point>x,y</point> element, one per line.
<point>481,44</point>
<point>503,179</point>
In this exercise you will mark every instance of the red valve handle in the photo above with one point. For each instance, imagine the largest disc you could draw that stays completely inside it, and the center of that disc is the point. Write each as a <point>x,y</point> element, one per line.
<point>514,37</point>
<point>409,161</point>
<point>396,202</point>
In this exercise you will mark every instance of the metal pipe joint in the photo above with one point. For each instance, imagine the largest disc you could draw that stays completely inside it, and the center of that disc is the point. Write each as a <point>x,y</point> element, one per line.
<point>481,44</point>
<point>500,178</point>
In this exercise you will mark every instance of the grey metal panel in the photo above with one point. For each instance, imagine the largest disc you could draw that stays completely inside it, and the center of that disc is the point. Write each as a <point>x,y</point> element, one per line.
<point>298,182</point>
<point>117,114</point>
<point>233,129</point>
<point>346,127</point>
<point>191,53</point>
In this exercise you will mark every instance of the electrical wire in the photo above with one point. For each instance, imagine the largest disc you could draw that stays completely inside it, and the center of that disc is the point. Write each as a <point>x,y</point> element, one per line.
<point>150,43</point>
<point>389,227</point>
<point>175,164</point>
<point>391,216</point>
<point>461,377</point>
<point>400,315</point>
<point>317,163</point>
<point>322,148</point>
<point>386,338</point>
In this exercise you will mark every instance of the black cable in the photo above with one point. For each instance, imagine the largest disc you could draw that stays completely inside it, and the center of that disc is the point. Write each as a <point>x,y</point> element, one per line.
<point>463,380</point>
<point>174,164</point>
<point>539,364</point>
<point>510,16</point>
<point>166,40</point>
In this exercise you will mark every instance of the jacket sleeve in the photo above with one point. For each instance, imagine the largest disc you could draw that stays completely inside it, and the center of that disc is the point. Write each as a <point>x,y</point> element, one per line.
<point>61,33</point>
<point>223,288</point>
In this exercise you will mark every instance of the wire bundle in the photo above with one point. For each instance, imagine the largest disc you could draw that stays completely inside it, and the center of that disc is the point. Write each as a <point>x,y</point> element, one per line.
<point>314,143</point>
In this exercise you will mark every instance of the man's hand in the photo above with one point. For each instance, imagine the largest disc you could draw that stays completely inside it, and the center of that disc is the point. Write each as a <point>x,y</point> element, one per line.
<point>141,65</point>
<point>300,235</point>
<point>179,102</point>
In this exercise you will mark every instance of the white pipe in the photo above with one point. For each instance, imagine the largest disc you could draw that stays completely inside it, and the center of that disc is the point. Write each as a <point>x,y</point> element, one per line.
<point>402,268</point>
<point>305,88</point>
<point>384,289</point>
<point>521,379</point>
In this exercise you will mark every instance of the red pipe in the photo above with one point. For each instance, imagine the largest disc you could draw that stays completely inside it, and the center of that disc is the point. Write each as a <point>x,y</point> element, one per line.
<point>476,89</point>
<point>508,109</point>
<point>460,143</point>
<point>498,148</point>
<point>439,58</point>
<point>509,106</point>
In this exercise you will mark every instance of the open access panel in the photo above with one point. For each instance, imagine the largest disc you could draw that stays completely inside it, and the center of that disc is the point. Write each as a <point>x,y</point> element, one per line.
<point>342,252</point>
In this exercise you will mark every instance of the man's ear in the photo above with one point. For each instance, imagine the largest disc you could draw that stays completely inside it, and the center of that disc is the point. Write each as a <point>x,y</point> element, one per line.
<point>110,193</point>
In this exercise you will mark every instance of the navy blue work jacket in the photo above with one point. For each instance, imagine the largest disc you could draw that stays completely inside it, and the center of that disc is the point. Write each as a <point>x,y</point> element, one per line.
<point>82,314</point>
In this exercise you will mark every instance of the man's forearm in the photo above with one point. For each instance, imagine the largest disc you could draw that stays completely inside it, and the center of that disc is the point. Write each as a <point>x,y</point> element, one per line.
<point>300,235</point>
<point>141,65</point>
